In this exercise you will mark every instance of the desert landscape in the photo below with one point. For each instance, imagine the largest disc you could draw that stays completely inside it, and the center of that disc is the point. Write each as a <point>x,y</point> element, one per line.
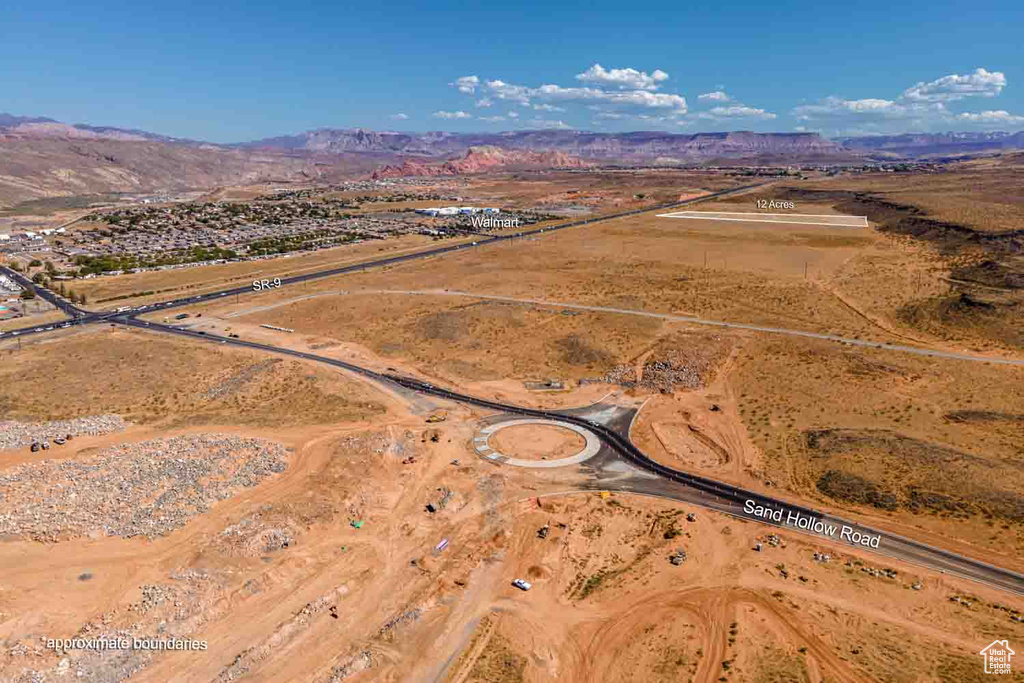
<point>242,476</point>
<point>492,343</point>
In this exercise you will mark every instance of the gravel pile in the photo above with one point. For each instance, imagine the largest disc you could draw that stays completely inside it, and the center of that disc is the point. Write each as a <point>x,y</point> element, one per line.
<point>623,375</point>
<point>257,534</point>
<point>674,373</point>
<point>22,434</point>
<point>136,489</point>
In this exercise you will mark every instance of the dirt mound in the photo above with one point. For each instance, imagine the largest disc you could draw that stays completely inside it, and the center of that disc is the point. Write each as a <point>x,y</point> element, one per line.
<point>578,351</point>
<point>956,316</point>
<point>891,471</point>
<point>982,416</point>
<point>684,361</point>
<point>991,274</point>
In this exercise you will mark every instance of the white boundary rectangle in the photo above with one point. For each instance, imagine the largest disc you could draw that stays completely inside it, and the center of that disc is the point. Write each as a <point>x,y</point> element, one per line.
<point>791,219</point>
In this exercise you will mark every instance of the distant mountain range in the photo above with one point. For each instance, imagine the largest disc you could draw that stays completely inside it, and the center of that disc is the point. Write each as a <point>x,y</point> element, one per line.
<point>480,160</point>
<point>41,157</point>
<point>639,147</point>
<point>643,147</point>
<point>918,145</point>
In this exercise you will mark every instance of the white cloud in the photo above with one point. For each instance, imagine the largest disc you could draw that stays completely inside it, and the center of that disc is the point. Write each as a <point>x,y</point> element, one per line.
<point>716,96</point>
<point>640,99</point>
<point>466,84</point>
<point>920,107</point>
<point>736,112</point>
<point>484,102</point>
<point>981,83</point>
<point>452,115</point>
<point>836,106</point>
<point>547,107</point>
<point>507,91</point>
<point>547,123</point>
<point>491,119</point>
<point>623,78</point>
<point>609,115</point>
<point>399,117</point>
<point>743,111</point>
<point>513,115</point>
<point>991,117</point>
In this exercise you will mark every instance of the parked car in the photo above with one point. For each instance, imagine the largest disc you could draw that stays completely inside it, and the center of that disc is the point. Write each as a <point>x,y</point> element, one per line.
<point>522,585</point>
<point>46,445</point>
<point>35,447</point>
<point>59,441</point>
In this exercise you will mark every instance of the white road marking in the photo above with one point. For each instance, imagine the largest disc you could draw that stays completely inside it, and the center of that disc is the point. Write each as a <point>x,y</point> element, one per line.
<point>791,219</point>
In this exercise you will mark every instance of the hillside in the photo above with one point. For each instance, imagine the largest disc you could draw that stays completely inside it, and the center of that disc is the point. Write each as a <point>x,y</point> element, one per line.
<point>619,147</point>
<point>481,160</point>
<point>42,158</point>
<point>919,145</point>
<point>38,166</point>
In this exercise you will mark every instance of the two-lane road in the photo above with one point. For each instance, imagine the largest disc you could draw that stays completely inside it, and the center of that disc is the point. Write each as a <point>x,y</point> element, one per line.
<point>672,483</point>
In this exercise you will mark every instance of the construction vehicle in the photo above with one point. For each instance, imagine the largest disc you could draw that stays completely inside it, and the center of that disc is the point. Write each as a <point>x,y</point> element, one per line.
<point>439,416</point>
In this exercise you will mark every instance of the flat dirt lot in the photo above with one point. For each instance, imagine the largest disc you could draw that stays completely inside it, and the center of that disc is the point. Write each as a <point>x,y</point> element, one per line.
<point>156,380</point>
<point>281,587</point>
<point>754,274</point>
<point>172,284</point>
<point>536,442</point>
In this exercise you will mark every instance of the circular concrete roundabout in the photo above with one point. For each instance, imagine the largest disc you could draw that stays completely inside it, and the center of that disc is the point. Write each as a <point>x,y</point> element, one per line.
<point>481,442</point>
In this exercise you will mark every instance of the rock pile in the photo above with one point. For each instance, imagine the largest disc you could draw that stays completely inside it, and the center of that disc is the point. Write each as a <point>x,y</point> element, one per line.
<point>22,434</point>
<point>676,371</point>
<point>136,489</point>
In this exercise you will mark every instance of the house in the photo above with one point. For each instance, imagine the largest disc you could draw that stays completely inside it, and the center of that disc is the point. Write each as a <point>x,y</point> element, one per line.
<point>997,656</point>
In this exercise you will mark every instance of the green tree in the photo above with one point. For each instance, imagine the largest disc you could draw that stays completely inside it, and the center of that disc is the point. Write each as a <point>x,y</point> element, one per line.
<point>28,293</point>
<point>35,263</point>
<point>50,268</point>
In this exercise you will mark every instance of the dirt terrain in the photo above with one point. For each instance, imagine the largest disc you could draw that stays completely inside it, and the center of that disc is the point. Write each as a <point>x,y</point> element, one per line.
<point>292,522</point>
<point>534,442</point>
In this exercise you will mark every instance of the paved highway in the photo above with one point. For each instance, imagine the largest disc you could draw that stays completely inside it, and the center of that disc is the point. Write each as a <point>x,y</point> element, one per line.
<point>712,494</point>
<point>80,316</point>
<point>63,305</point>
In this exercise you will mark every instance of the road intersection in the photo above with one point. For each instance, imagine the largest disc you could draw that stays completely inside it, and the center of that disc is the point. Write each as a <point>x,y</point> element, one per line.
<point>643,474</point>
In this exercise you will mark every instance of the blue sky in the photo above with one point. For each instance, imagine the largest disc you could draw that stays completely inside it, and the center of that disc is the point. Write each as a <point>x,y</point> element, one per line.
<point>232,71</point>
